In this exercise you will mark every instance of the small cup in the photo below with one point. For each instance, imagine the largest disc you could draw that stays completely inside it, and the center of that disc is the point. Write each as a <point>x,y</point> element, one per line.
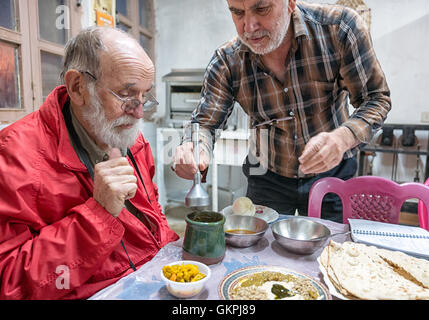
<point>204,239</point>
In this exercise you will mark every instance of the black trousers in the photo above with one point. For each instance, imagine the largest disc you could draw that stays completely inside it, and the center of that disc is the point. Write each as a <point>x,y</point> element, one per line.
<point>285,195</point>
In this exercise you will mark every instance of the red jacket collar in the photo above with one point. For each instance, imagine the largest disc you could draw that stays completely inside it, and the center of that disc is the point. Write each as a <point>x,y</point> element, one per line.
<point>51,113</point>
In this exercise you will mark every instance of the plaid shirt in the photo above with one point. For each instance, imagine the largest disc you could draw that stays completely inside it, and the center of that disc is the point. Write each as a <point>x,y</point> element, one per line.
<point>331,63</point>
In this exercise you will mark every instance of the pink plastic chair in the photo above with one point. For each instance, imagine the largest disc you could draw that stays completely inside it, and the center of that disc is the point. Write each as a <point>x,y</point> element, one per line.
<point>369,197</point>
<point>422,210</point>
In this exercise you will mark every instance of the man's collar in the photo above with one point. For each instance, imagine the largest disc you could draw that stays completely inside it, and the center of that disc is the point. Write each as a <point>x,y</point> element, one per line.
<point>298,21</point>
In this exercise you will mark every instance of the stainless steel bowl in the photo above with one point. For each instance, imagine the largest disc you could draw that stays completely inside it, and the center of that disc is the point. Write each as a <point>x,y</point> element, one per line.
<point>234,222</point>
<point>300,235</point>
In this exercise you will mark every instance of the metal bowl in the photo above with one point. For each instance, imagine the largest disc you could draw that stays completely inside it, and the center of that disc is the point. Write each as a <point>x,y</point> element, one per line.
<point>253,224</point>
<point>300,235</point>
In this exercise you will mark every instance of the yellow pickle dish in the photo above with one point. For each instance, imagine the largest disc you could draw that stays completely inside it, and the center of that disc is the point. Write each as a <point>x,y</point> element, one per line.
<point>185,279</point>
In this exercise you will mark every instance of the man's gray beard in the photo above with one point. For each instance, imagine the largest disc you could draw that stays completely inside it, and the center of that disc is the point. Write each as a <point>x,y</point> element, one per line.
<point>275,38</point>
<point>106,131</point>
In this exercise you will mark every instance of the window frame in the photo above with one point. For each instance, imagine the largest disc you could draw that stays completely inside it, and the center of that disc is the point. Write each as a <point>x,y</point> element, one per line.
<point>133,22</point>
<point>38,45</point>
<point>30,46</point>
<point>20,38</point>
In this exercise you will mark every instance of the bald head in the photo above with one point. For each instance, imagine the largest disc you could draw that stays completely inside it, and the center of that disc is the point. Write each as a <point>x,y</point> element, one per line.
<point>95,49</point>
<point>103,70</point>
<point>122,49</point>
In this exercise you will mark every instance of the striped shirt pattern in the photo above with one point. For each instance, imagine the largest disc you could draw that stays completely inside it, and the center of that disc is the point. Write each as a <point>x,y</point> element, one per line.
<point>331,65</point>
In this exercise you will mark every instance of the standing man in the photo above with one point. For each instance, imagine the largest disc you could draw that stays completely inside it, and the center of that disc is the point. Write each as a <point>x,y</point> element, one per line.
<point>293,68</point>
<point>78,208</point>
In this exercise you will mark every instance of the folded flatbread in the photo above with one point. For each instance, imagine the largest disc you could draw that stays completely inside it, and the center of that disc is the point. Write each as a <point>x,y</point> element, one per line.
<point>414,269</point>
<point>359,271</point>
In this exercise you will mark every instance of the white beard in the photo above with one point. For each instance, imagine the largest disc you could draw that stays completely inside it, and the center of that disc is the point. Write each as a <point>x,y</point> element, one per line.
<point>275,38</point>
<point>106,131</point>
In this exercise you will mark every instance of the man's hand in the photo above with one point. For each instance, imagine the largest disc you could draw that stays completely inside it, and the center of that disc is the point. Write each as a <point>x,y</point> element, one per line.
<point>114,182</point>
<point>326,150</point>
<point>184,163</point>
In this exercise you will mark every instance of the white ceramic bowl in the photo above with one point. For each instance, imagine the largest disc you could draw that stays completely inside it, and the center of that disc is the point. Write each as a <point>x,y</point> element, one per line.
<point>187,289</point>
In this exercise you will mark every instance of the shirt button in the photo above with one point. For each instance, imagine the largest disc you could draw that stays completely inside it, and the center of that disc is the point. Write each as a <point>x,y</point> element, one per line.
<point>295,137</point>
<point>286,90</point>
<point>291,113</point>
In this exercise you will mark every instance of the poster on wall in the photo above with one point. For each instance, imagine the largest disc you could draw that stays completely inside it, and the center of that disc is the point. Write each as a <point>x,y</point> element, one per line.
<point>104,13</point>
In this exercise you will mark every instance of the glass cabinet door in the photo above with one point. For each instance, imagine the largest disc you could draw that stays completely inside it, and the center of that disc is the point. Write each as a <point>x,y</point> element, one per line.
<point>53,21</point>
<point>51,69</point>
<point>122,7</point>
<point>146,13</point>
<point>8,15</point>
<point>10,95</point>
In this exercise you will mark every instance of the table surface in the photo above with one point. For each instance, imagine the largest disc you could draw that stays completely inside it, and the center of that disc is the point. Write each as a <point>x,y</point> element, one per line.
<point>146,282</point>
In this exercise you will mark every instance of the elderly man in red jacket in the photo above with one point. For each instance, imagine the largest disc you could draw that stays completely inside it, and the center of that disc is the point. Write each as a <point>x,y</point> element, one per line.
<point>78,208</point>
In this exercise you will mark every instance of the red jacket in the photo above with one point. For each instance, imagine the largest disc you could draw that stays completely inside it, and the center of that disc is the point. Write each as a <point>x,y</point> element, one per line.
<point>49,222</point>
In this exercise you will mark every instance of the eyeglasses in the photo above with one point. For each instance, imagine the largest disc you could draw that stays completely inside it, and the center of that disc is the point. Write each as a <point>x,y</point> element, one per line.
<point>130,104</point>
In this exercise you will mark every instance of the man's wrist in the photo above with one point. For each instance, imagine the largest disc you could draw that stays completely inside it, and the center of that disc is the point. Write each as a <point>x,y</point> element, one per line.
<point>347,138</point>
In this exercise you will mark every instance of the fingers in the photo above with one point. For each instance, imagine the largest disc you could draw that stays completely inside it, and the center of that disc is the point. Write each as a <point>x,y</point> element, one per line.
<point>185,172</point>
<point>115,162</point>
<point>320,162</point>
<point>129,190</point>
<point>184,163</point>
<point>118,166</point>
<point>116,177</point>
<point>313,156</point>
<point>312,148</point>
<point>114,153</point>
<point>204,160</point>
<point>321,154</point>
<point>114,182</point>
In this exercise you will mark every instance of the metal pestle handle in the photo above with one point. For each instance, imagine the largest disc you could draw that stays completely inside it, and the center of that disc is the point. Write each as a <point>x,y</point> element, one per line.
<point>197,197</point>
<point>195,140</point>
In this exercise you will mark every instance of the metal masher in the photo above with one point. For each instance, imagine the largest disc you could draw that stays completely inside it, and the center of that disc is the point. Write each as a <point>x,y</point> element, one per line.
<point>197,196</point>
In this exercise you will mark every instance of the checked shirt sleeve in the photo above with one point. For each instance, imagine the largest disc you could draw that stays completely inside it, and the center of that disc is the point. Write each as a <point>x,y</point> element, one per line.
<point>364,79</point>
<point>216,102</point>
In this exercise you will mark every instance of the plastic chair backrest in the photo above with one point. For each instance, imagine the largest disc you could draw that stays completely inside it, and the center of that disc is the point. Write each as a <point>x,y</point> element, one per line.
<point>368,197</point>
<point>423,211</point>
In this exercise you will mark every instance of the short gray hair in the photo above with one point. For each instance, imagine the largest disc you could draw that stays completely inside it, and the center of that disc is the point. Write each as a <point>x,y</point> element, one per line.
<point>82,52</point>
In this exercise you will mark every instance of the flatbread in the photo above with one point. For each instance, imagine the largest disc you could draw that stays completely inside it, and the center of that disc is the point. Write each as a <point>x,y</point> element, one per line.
<point>414,269</point>
<point>358,271</point>
<point>324,260</point>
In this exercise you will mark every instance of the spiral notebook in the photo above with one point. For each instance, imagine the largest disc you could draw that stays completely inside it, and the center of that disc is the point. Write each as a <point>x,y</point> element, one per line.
<point>411,240</point>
